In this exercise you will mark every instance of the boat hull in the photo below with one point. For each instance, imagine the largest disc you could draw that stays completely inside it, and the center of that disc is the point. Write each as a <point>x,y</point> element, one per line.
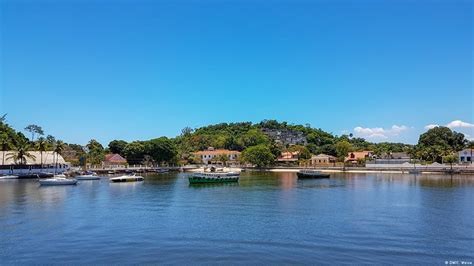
<point>204,180</point>
<point>56,182</point>
<point>123,179</point>
<point>87,177</point>
<point>9,177</point>
<point>312,175</point>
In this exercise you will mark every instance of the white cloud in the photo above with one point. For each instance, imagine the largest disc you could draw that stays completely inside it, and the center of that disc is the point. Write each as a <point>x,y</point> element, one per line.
<point>452,124</point>
<point>378,132</point>
<point>431,126</point>
<point>459,123</point>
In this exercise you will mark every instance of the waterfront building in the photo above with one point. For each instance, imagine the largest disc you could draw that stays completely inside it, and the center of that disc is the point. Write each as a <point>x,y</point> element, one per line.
<point>393,158</point>
<point>210,156</point>
<point>114,160</point>
<point>288,157</point>
<point>465,156</point>
<point>322,160</point>
<point>38,162</point>
<point>355,156</point>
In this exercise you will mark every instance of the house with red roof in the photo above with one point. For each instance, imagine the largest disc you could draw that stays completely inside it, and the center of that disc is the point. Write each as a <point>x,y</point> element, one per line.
<point>114,160</point>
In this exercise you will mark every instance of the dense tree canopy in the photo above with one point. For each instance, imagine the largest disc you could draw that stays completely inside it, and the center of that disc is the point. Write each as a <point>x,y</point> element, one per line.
<point>259,156</point>
<point>258,148</point>
<point>117,146</point>
<point>438,142</point>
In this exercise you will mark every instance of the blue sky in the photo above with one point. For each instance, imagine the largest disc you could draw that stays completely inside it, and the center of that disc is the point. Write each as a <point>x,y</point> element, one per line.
<point>130,70</point>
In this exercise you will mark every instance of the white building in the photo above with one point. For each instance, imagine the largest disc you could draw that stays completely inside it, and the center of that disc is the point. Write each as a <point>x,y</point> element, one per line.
<point>465,156</point>
<point>35,164</point>
<point>209,156</point>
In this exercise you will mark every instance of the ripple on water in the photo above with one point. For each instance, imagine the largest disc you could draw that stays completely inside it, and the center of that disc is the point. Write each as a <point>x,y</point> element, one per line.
<point>265,218</point>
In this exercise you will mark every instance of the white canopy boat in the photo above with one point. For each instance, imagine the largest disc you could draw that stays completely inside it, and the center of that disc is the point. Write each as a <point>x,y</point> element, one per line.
<point>9,177</point>
<point>57,181</point>
<point>127,178</point>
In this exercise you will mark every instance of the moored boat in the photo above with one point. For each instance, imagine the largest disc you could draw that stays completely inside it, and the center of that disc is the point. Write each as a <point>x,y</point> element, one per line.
<point>87,177</point>
<point>9,177</point>
<point>312,174</point>
<point>57,181</point>
<point>215,177</point>
<point>126,178</point>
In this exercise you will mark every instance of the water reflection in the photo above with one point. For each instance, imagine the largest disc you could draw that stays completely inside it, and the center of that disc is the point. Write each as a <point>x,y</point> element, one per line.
<point>213,185</point>
<point>265,218</point>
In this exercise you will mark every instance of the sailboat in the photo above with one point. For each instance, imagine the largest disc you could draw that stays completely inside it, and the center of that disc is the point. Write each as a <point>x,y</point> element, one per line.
<point>57,179</point>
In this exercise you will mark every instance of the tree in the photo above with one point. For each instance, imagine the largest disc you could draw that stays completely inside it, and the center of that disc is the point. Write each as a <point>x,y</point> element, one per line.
<point>450,159</point>
<point>51,140</point>
<point>34,129</point>
<point>58,149</point>
<point>343,147</point>
<point>254,137</point>
<point>148,160</point>
<point>21,153</point>
<point>440,141</point>
<point>186,131</point>
<point>41,146</point>
<point>259,155</point>
<point>5,146</point>
<point>117,146</point>
<point>161,150</point>
<point>303,152</point>
<point>134,152</point>
<point>96,152</point>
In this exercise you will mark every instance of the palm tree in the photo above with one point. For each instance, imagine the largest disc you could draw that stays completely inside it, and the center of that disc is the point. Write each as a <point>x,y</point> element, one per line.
<point>5,146</point>
<point>58,150</point>
<point>22,153</point>
<point>41,145</point>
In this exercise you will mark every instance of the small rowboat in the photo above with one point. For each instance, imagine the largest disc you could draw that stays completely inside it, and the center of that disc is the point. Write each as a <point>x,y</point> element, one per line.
<point>206,178</point>
<point>57,181</point>
<point>126,178</point>
<point>311,174</point>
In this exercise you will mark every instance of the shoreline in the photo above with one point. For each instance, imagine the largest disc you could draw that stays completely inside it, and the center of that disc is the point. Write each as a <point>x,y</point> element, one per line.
<point>348,170</point>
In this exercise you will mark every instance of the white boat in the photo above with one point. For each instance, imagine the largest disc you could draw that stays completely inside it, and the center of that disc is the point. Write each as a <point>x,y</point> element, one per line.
<point>87,177</point>
<point>9,177</point>
<point>213,177</point>
<point>59,176</point>
<point>127,178</point>
<point>57,181</point>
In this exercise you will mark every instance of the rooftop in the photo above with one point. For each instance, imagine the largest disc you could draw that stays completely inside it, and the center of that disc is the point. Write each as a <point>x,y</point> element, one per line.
<point>49,157</point>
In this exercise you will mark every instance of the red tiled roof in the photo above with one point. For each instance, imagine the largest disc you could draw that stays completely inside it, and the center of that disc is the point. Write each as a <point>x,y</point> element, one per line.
<point>115,158</point>
<point>357,155</point>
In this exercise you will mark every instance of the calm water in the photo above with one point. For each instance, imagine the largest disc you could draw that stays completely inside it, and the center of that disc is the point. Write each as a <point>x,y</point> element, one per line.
<point>266,218</point>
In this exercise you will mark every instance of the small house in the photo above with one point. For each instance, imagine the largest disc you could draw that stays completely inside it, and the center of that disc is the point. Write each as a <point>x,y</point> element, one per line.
<point>114,160</point>
<point>322,160</point>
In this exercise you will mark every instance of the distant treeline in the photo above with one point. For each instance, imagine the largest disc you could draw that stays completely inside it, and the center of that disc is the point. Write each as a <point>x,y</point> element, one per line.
<point>249,138</point>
